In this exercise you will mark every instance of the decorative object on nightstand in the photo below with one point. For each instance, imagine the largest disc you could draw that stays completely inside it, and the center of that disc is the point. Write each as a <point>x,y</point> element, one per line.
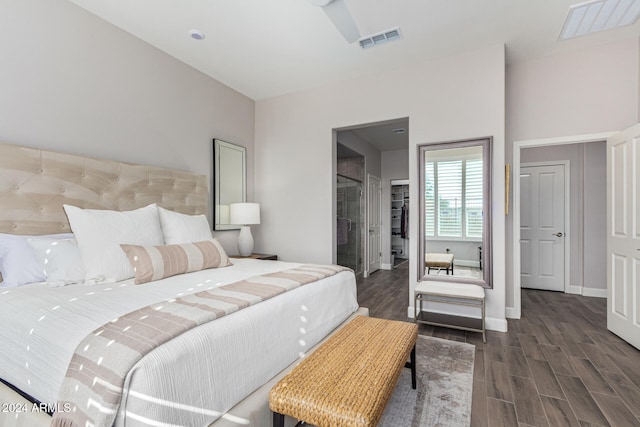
<point>244,214</point>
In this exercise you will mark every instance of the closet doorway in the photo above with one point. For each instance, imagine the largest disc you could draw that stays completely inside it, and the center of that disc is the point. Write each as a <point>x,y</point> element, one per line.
<point>399,221</point>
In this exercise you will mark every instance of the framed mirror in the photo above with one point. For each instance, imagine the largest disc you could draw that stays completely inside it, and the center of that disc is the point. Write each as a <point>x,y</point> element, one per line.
<point>229,181</point>
<point>455,212</point>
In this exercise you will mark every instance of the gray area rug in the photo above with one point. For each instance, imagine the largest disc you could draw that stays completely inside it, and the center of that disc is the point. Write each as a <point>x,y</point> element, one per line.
<point>444,387</point>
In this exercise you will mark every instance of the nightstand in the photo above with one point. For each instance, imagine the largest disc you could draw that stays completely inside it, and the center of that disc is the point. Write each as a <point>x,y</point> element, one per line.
<point>257,256</point>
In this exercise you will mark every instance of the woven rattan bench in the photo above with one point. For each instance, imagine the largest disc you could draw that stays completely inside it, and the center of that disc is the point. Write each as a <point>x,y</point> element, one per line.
<point>348,380</point>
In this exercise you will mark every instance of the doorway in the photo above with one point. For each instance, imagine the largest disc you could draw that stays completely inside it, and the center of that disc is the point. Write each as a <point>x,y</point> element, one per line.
<point>383,147</point>
<point>514,310</point>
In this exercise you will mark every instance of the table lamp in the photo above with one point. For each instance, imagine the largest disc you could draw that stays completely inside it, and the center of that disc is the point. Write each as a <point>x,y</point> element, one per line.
<point>244,214</point>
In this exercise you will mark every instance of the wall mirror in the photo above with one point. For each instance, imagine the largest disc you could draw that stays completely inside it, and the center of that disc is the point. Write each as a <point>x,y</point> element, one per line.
<point>229,181</point>
<point>455,212</point>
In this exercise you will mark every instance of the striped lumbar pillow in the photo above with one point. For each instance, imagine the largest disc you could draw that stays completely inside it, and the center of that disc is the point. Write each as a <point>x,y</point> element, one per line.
<point>157,262</point>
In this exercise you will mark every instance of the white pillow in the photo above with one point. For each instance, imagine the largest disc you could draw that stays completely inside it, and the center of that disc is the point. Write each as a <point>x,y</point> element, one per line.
<point>60,260</point>
<point>101,232</point>
<point>18,262</point>
<point>179,228</point>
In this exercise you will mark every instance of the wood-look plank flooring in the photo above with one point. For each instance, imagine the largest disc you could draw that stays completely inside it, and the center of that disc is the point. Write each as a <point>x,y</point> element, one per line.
<point>556,366</point>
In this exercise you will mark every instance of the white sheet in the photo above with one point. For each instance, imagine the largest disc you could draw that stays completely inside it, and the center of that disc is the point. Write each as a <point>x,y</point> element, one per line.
<point>191,379</point>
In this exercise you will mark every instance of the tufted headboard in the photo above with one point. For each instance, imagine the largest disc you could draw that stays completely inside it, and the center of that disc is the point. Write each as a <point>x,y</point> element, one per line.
<point>34,184</point>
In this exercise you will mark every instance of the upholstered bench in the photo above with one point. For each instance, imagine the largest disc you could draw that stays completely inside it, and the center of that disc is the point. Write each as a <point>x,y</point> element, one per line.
<point>450,293</point>
<point>348,380</point>
<point>439,261</point>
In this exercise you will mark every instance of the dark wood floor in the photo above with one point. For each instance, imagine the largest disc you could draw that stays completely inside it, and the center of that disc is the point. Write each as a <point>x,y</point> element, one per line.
<point>557,366</point>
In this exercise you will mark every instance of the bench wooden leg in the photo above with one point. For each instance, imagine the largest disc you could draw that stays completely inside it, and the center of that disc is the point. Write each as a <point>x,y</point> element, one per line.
<point>278,420</point>
<point>412,365</point>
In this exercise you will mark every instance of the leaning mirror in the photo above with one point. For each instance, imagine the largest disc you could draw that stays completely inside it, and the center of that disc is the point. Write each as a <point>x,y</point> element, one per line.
<point>455,212</point>
<point>229,181</point>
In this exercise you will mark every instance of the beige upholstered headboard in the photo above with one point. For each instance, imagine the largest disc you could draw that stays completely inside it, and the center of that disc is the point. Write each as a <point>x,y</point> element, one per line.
<point>34,184</point>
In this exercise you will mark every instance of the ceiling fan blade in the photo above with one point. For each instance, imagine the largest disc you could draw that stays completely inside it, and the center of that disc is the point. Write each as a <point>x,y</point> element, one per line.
<point>338,12</point>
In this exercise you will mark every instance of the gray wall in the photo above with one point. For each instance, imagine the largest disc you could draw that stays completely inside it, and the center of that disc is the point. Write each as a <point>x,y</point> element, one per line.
<point>71,82</point>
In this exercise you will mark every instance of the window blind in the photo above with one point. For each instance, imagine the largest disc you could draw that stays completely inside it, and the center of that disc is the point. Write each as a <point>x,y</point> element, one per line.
<point>450,198</point>
<point>453,198</point>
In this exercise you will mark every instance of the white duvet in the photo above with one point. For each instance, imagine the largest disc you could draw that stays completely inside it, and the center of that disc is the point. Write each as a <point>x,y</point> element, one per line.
<point>190,380</point>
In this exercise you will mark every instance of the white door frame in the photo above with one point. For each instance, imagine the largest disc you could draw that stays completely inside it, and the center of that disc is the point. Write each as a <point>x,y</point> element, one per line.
<point>567,217</point>
<point>366,271</point>
<point>516,311</point>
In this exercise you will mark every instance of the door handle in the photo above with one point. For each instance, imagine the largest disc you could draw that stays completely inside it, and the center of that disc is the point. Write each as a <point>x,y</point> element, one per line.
<point>559,234</point>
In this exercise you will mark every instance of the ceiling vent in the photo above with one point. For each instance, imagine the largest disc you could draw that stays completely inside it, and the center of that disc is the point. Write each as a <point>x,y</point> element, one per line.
<point>599,15</point>
<point>381,38</point>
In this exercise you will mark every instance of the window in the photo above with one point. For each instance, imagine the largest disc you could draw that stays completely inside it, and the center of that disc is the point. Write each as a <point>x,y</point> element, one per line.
<point>453,198</point>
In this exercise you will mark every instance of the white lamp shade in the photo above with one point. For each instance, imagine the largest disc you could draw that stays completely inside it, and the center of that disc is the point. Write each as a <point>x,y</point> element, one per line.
<point>244,213</point>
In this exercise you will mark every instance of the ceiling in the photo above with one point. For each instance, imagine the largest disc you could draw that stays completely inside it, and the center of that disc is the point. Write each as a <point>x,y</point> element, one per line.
<point>384,136</point>
<point>267,48</point>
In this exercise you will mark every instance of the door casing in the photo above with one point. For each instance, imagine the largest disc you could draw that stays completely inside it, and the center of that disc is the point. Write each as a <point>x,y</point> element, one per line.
<point>374,222</point>
<point>515,311</point>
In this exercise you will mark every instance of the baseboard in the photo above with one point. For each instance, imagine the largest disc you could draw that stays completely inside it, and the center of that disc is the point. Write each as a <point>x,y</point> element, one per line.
<point>494,324</point>
<point>594,292</point>
<point>386,266</point>
<point>491,323</point>
<point>573,289</point>
<point>512,313</point>
<point>466,263</point>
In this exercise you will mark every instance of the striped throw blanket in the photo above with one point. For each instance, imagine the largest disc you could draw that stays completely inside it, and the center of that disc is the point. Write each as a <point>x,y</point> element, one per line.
<point>94,381</point>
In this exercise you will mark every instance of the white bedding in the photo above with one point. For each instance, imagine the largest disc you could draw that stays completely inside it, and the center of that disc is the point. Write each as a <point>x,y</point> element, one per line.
<point>191,379</point>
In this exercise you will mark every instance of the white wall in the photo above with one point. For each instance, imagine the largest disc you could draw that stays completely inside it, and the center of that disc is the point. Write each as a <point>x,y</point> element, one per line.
<point>71,82</point>
<point>587,208</point>
<point>589,91</point>
<point>459,97</point>
<point>395,165</point>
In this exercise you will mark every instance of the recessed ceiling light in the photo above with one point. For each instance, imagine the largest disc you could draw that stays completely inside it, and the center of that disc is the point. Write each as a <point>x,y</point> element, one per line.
<point>196,34</point>
<point>599,15</point>
<point>399,130</point>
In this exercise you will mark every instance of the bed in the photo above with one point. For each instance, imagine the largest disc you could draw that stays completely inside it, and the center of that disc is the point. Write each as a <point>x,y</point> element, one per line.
<point>216,373</point>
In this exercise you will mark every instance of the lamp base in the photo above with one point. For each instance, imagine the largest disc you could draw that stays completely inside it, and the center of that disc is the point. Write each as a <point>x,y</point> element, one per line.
<point>245,241</point>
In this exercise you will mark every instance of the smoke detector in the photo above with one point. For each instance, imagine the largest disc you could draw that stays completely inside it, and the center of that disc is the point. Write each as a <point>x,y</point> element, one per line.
<point>196,34</point>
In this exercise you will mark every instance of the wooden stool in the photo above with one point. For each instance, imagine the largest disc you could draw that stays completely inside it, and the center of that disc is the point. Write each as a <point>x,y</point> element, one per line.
<point>348,380</point>
<point>450,293</point>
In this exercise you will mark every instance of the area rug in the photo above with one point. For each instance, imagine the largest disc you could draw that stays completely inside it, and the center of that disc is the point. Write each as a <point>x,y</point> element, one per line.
<point>444,387</point>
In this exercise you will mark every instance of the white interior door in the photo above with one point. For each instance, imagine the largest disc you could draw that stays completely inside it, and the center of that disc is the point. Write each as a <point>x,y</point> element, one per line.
<point>374,221</point>
<point>623,235</point>
<point>542,227</point>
